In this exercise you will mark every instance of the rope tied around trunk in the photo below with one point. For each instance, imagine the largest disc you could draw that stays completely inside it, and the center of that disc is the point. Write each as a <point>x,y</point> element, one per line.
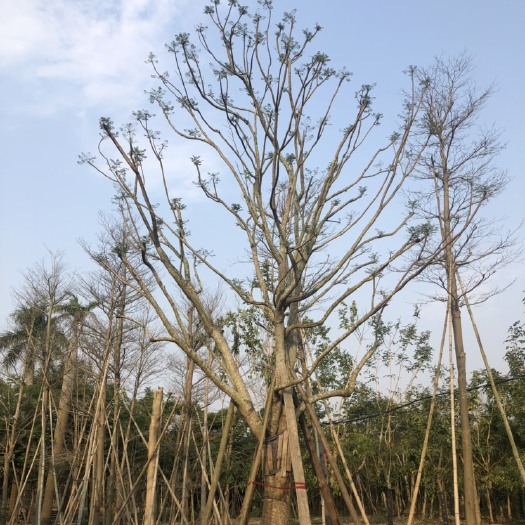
<point>296,486</point>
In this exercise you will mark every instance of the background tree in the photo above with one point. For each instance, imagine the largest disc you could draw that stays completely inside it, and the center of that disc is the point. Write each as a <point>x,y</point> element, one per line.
<point>458,165</point>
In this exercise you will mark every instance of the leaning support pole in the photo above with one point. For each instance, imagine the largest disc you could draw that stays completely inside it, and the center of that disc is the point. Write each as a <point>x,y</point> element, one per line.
<point>250,487</point>
<point>497,397</point>
<point>218,463</point>
<point>153,458</point>
<point>424,448</point>
<point>331,517</point>
<point>331,459</point>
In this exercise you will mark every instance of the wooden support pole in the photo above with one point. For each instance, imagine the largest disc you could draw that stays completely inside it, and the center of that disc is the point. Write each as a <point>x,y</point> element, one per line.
<point>295,452</point>
<point>331,459</point>
<point>250,487</point>
<point>218,463</point>
<point>153,458</point>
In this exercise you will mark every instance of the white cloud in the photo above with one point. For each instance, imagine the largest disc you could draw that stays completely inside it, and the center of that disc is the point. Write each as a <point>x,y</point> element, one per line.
<point>90,52</point>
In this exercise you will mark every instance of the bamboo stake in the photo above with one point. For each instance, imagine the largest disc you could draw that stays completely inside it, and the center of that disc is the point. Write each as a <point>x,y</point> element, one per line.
<point>207,481</point>
<point>153,458</point>
<point>490,375</point>
<point>331,459</point>
<point>250,487</point>
<point>145,467</point>
<point>453,425</point>
<point>349,476</point>
<point>426,439</point>
<point>218,463</point>
<point>9,450</point>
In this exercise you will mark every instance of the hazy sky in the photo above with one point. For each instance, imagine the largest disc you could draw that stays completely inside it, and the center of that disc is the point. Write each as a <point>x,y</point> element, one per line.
<point>65,63</point>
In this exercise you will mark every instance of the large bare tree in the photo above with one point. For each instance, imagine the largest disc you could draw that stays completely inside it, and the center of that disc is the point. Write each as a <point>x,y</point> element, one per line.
<point>297,176</point>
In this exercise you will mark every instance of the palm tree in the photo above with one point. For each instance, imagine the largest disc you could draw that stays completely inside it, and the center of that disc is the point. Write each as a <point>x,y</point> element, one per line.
<point>26,340</point>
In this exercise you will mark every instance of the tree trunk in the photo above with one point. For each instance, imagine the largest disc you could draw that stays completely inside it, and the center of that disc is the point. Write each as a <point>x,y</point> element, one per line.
<point>277,469</point>
<point>469,481</point>
<point>489,505</point>
<point>390,506</point>
<point>282,445</point>
<point>296,457</point>
<point>443,507</point>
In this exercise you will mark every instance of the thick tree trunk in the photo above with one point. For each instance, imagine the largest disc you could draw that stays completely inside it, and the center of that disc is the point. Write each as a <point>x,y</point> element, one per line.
<point>276,499</point>
<point>390,505</point>
<point>443,507</point>
<point>277,471</point>
<point>283,453</point>
<point>296,456</point>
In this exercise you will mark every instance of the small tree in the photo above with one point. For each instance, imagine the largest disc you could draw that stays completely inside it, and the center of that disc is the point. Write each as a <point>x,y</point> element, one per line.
<point>307,194</point>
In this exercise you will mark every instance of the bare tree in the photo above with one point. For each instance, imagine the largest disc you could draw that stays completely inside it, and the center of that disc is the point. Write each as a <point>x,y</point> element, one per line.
<point>311,202</point>
<point>459,168</point>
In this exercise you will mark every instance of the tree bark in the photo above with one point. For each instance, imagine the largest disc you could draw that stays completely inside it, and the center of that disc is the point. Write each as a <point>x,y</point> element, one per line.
<point>296,458</point>
<point>277,469</point>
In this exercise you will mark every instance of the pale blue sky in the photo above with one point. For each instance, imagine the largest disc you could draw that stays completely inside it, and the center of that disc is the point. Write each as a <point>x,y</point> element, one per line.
<point>65,63</point>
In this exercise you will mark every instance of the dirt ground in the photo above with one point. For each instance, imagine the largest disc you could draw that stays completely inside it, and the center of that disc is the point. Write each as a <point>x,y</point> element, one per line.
<point>398,521</point>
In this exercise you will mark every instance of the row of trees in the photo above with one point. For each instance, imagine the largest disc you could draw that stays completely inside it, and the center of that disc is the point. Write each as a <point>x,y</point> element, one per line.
<point>326,238</point>
<point>102,428</point>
